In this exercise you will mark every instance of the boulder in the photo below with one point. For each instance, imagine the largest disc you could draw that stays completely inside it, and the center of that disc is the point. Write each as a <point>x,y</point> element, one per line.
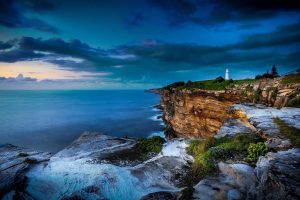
<point>279,175</point>
<point>235,181</point>
<point>14,163</point>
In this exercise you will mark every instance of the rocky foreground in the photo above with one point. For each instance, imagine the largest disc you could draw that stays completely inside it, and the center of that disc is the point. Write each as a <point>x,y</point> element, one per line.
<point>85,170</point>
<point>80,171</point>
<point>276,175</point>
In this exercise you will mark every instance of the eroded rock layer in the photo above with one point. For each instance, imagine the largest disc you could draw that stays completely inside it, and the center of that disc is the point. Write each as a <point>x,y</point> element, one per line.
<point>197,113</point>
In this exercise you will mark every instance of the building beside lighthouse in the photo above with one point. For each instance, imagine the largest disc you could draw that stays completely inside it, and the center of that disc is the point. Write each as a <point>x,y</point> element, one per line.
<point>227,74</point>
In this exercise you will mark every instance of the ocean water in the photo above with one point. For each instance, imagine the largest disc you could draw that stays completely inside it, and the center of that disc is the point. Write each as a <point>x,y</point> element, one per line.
<point>50,120</point>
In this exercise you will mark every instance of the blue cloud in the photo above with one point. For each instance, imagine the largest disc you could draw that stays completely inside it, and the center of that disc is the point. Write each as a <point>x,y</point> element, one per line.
<point>156,61</point>
<point>13,14</point>
<point>213,12</point>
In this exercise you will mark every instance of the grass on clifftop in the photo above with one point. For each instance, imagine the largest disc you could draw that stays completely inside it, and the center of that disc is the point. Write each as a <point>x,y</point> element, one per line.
<point>289,132</point>
<point>214,85</point>
<point>208,152</point>
<point>293,78</point>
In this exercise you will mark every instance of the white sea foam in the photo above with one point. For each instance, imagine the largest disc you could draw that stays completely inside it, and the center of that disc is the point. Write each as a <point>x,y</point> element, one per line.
<point>156,117</point>
<point>159,133</point>
<point>62,177</point>
<point>156,110</point>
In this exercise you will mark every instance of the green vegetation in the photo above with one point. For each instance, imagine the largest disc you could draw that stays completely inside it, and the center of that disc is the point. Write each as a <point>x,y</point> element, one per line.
<point>274,92</point>
<point>248,89</point>
<point>187,193</point>
<point>214,84</point>
<point>294,102</point>
<point>153,144</point>
<point>22,154</point>
<point>145,149</point>
<point>209,151</point>
<point>289,132</point>
<point>257,95</point>
<point>256,150</point>
<point>293,78</point>
<point>273,74</point>
<point>30,160</point>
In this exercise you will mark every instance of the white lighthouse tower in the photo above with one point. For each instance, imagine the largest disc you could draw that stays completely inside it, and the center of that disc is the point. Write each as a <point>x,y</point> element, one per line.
<point>227,74</point>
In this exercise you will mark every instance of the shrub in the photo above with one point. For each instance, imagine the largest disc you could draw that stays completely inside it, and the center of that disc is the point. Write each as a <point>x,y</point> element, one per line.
<point>219,152</point>
<point>153,144</point>
<point>200,146</point>
<point>193,148</point>
<point>203,164</point>
<point>274,92</point>
<point>207,152</point>
<point>289,132</point>
<point>256,150</point>
<point>294,102</point>
<point>22,154</point>
<point>257,95</point>
<point>30,160</point>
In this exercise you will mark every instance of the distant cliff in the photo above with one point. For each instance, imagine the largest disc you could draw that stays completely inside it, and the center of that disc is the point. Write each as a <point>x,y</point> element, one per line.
<point>199,109</point>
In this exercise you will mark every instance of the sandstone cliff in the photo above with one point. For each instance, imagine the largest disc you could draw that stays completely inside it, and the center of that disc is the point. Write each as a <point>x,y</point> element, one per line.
<point>199,113</point>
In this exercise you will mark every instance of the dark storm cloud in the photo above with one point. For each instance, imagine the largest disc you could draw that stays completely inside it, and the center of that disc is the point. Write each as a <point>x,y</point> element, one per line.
<point>282,36</point>
<point>13,14</point>
<point>152,58</point>
<point>177,11</point>
<point>19,55</point>
<point>211,12</point>
<point>56,45</point>
<point>6,45</point>
<point>189,56</point>
<point>28,48</point>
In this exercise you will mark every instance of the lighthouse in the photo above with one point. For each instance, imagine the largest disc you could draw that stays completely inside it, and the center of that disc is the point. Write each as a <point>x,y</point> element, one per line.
<point>227,74</point>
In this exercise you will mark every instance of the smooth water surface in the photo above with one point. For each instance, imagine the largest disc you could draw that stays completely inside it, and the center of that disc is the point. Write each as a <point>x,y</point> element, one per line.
<point>50,120</point>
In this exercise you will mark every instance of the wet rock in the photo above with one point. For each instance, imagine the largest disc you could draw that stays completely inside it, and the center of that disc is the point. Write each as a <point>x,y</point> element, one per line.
<point>279,175</point>
<point>278,143</point>
<point>233,182</point>
<point>173,163</point>
<point>14,165</point>
<point>262,118</point>
<point>73,172</point>
<point>94,144</point>
<point>232,127</point>
<point>160,196</point>
<point>234,194</point>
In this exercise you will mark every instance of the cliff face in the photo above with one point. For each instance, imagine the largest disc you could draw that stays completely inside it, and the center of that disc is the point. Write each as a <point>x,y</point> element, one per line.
<point>196,113</point>
<point>270,92</point>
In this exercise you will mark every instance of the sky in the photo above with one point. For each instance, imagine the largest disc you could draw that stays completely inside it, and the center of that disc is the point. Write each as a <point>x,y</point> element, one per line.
<point>141,44</point>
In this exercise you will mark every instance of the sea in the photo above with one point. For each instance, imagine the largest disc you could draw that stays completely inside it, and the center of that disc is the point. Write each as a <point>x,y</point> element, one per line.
<point>49,120</point>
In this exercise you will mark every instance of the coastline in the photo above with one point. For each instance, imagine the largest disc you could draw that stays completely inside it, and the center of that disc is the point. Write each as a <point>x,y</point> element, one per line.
<point>98,165</point>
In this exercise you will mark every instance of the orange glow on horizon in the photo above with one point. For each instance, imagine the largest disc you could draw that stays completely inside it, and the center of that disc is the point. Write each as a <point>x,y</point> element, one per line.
<point>40,70</point>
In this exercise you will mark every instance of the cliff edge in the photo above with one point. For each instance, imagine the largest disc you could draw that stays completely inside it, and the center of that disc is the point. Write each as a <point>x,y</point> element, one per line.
<point>199,109</point>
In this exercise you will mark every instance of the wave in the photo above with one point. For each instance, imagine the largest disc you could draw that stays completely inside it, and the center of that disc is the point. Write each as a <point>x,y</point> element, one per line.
<point>159,133</point>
